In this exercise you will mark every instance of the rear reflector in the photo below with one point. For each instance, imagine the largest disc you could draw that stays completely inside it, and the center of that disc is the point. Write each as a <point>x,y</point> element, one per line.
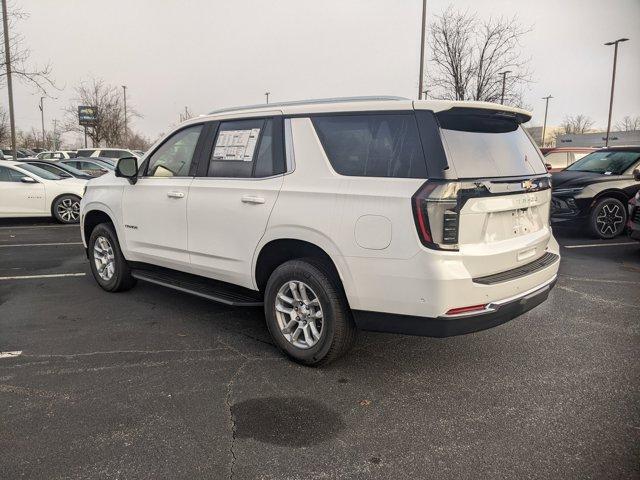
<point>472,308</point>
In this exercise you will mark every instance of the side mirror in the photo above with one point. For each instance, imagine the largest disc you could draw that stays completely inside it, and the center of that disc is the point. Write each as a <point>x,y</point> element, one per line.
<point>636,174</point>
<point>549,167</point>
<point>26,179</point>
<point>127,167</point>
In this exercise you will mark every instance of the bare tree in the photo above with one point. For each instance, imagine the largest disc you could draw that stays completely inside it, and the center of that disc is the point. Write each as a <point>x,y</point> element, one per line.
<point>575,124</point>
<point>628,124</point>
<point>468,56</point>
<point>137,141</point>
<point>108,100</point>
<point>186,115</point>
<point>5,131</point>
<point>38,76</point>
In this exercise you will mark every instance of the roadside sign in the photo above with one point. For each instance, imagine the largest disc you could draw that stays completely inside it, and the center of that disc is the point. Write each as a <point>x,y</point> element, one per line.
<point>87,115</point>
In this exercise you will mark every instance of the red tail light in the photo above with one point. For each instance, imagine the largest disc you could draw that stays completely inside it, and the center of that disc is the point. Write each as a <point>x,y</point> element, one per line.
<point>435,211</point>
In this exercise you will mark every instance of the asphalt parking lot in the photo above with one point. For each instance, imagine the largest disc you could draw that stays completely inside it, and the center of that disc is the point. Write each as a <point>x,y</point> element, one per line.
<point>153,383</point>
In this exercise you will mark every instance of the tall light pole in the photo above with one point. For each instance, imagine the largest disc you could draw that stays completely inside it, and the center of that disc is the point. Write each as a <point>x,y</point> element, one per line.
<point>504,80</point>
<point>42,118</point>
<point>266,94</point>
<point>7,58</point>
<point>544,125</point>
<point>613,82</point>
<point>422,42</point>
<point>124,93</point>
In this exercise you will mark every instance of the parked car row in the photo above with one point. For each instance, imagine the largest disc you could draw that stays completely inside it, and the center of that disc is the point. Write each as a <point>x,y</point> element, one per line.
<point>28,190</point>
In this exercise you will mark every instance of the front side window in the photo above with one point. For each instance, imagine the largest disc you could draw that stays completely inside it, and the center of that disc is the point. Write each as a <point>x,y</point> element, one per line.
<point>51,169</point>
<point>174,157</point>
<point>39,172</point>
<point>606,162</point>
<point>375,145</point>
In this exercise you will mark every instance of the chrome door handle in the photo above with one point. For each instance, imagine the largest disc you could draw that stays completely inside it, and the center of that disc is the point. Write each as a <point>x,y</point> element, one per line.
<point>175,194</point>
<point>252,199</point>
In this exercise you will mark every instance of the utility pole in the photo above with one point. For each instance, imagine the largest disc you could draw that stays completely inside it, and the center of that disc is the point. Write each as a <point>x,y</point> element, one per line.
<point>7,57</point>
<point>544,125</point>
<point>55,130</point>
<point>504,80</point>
<point>266,94</point>
<point>422,42</point>
<point>42,118</point>
<point>124,92</point>
<point>613,83</point>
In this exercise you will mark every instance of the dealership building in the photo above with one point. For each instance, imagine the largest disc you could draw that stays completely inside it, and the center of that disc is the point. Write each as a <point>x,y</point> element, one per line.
<point>597,139</point>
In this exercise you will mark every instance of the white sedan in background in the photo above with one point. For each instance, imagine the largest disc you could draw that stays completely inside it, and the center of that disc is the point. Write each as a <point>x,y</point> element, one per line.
<point>29,191</point>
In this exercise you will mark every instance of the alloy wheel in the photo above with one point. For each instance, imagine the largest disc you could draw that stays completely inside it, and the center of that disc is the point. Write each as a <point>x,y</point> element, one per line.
<point>610,219</point>
<point>68,210</point>
<point>299,314</point>
<point>104,258</point>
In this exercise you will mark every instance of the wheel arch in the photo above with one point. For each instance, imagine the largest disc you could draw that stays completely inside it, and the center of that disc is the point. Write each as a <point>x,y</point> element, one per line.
<point>611,193</point>
<point>92,219</point>
<point>58,197</point>
<point>279,250</point>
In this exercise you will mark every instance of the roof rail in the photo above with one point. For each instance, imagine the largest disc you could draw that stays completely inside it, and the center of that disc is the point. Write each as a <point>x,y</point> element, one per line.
<point>312,101</point>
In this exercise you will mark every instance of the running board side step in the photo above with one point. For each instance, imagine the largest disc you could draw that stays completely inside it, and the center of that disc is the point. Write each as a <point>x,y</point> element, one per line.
<point>220,292</point>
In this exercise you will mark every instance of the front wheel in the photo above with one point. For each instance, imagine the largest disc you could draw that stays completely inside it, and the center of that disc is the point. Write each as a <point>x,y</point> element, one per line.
<point>66,209</point>
<point>108,265</point>
<point>307,312</point>
<point>608,218</point>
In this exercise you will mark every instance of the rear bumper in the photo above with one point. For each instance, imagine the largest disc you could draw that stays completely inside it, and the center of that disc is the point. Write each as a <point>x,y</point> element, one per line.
<point>496,313</point>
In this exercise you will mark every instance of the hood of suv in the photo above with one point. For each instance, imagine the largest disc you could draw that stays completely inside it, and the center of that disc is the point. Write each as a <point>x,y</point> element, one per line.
<point>575,179</point>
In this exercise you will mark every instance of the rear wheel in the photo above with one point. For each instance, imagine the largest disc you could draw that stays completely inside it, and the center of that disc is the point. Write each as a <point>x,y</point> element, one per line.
<point>108,265</point>
<point>66,209</point>
<point>307,312</point>
<point>608,218</point>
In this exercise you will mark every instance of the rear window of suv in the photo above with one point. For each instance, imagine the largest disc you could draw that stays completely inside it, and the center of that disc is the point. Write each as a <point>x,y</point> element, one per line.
<point>372,145</point>
<point>488,143</point>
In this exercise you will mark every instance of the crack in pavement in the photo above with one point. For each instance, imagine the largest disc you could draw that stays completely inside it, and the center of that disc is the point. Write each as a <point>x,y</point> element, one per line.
<point>232,421</point>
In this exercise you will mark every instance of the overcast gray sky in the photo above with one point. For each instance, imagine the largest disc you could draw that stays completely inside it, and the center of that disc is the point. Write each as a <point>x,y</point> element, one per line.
<point>208,54</point>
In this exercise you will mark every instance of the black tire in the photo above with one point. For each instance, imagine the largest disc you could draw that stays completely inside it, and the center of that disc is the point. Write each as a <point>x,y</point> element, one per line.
<point>608,218</point>
<point>66,209</point>
<point>121,278</point>
<point>338,330</point>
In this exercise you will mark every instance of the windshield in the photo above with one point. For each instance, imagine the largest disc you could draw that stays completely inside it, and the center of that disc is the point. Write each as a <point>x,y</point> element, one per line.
<point>607,162</point>
<point>487,144</point>
<point>39,172</point>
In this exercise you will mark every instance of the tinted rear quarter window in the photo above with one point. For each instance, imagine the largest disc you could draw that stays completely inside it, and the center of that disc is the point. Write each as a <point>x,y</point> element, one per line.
<point>372,145</point>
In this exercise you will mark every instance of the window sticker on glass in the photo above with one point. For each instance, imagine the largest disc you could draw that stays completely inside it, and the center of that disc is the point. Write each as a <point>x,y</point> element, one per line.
<point>236,145</point>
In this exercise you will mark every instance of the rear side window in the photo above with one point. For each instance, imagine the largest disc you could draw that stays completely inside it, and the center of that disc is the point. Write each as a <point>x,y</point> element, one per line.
<point>85,153</point>
<point>247,148</point>
<point>372,145</point>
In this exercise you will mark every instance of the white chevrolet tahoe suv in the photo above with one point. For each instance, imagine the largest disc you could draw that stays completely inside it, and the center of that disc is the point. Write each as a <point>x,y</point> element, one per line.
<point>385,214</point>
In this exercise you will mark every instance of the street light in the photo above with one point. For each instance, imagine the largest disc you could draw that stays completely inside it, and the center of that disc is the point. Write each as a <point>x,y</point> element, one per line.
<point>124,92</point>
<point>544,125</point>
<point>613,82</point>
<point>504,79</point>
<point>422,40</point>
<point>7,59</point>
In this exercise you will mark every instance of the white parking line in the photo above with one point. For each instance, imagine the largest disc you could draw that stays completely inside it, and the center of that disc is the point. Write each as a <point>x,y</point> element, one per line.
<point>13,354</point>
<point>590,245</point>
<point>39,244</point>
<point>38,226</point>
<point>55,275</point>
